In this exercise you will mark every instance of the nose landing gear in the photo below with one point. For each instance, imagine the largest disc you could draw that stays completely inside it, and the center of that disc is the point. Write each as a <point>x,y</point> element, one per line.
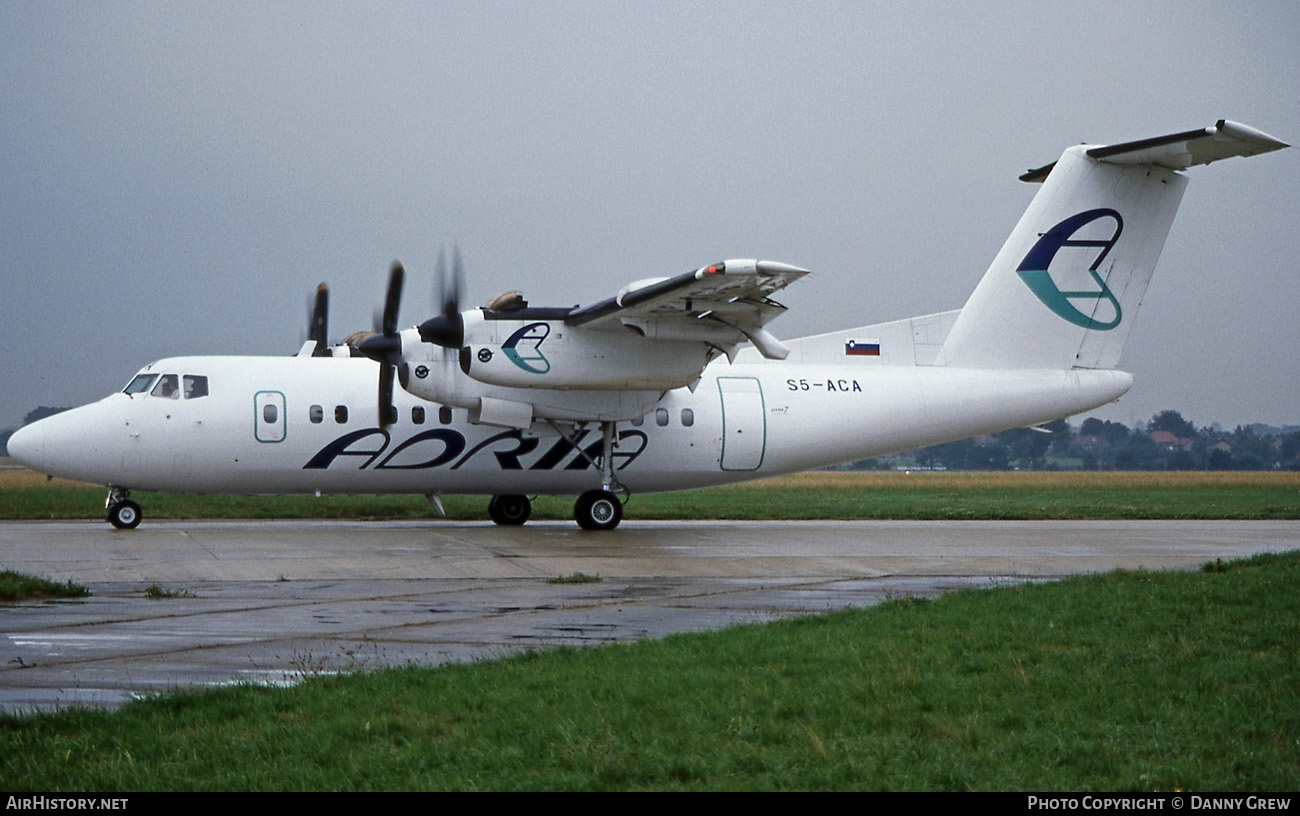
<point>123,513</point>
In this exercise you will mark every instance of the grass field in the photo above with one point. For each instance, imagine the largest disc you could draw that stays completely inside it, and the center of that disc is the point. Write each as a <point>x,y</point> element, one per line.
<point>1131,681</point>
<point>818,495</point>
<point>16,586</point>
<point>1128,681</point>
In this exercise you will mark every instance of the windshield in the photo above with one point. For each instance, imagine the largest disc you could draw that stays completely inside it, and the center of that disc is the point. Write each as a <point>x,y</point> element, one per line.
<point>169,386</point>
<point>140,384</point>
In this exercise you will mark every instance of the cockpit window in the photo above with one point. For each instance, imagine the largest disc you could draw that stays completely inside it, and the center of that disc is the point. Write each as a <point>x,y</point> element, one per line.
<point>140,384</point>
<point>168,386</point>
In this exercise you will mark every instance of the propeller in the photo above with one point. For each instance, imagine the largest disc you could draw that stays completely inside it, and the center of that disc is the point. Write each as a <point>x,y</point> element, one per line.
<point>447,328</point>
<point>385,346</point>
<point>318,328</point>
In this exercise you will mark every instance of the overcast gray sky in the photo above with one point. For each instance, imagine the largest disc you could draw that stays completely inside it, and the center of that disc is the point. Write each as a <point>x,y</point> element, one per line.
<point>177,177</point>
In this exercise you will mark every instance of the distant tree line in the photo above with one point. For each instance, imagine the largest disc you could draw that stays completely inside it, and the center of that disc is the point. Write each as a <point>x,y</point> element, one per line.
<point>1167,442</point>
<point>32,416</point>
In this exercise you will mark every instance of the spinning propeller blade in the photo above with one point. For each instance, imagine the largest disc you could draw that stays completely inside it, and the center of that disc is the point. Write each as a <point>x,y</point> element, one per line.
<point>318,327</point>
<point>385,347</point>
<point>447,328</point>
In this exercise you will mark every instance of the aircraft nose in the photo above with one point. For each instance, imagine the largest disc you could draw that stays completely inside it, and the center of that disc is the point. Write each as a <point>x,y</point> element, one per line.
<point>27,445</point>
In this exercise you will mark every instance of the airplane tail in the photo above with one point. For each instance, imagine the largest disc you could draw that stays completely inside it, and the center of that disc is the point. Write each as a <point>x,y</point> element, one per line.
<point>1065,287</point>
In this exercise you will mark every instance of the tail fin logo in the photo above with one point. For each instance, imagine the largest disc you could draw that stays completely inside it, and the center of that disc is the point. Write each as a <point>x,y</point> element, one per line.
<point>1100,309</point>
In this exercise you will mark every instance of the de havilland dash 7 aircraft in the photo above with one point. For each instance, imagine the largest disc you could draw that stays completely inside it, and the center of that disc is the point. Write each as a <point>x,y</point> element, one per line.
<point>671,383</point>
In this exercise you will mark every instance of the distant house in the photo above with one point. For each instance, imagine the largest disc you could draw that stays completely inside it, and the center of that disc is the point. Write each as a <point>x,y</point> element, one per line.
<point>1170,442</point>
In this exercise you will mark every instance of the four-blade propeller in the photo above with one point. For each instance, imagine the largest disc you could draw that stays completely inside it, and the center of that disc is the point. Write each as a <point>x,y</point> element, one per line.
<point>318,322</point>
<point>385,346</point>
<point>447,328</point>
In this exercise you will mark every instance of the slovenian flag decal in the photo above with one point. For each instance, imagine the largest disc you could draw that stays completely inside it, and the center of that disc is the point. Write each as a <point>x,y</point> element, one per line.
<point>862,348</point>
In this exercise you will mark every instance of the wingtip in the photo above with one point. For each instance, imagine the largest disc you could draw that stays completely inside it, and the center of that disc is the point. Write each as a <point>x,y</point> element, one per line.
<point>1246,133</point>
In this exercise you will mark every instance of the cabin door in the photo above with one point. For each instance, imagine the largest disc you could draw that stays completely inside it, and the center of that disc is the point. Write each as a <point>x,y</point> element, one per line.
<point>744,423</point>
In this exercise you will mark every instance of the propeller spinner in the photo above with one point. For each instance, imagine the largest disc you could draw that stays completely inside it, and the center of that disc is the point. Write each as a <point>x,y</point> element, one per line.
<point>447,328</point>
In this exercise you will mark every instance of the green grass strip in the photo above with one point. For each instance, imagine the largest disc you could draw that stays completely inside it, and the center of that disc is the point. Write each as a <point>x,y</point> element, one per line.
<point>1127,681</point>
<point>822,495</point>
<point>16,586</point>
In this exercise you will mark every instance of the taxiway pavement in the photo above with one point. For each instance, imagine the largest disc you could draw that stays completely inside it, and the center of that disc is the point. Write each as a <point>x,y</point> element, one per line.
<point>272,601</point>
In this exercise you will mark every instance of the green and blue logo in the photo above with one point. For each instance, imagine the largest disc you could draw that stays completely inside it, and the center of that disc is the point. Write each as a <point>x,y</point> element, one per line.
<point>524,348</point>
<point>1033,270</point>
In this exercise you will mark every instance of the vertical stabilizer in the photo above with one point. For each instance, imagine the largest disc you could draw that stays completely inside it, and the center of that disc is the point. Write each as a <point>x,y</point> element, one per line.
<point>1066,286</point>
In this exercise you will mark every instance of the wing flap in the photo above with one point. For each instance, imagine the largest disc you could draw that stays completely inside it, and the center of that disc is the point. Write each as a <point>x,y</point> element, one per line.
<point>734,290</point>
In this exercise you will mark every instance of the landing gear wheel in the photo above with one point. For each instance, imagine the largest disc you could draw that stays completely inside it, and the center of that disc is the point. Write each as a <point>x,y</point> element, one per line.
<point>598,510</point>
<point>510,510</point>
<point>125,515</point>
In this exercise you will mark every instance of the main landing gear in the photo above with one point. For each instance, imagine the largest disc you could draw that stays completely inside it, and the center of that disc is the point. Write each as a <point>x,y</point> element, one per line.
<point>601,509</point>
<point>594,510</point>
<point>598,510</point>
<point>123,513</point>
<point>509,510</point>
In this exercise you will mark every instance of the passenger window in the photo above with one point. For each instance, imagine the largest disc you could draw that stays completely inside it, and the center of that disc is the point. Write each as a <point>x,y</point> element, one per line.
<point>638,422</point>
<point>661,417</point>
<point>417,415</point>
<point>317,414</point>
<point>168,387</point>
<point>444,415</point>
<point>140,384</point>
<point>269,413</point>
<point>195,386</point>
<point>688,417</point>
<point>341,414</point>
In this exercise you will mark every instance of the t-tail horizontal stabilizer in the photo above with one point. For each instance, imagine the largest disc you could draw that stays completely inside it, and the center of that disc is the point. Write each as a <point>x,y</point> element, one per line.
<point>1065,287</point>
<point>1179,151</point>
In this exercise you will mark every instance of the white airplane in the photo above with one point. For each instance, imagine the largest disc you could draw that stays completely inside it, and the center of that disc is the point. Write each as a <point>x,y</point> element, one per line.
<point>672,383</point>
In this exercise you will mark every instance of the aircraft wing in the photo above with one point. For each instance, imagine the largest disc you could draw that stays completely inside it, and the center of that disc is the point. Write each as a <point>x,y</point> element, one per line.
<point>702,304</point>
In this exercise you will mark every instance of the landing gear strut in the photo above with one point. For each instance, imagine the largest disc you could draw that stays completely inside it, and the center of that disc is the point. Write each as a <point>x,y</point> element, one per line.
<point>123,513</point>
<point>509,510</point>
<point>600,509</point>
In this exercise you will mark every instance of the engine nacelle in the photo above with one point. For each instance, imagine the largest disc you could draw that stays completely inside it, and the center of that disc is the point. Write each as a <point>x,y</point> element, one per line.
<point>549,354</point>
<point>433,373</point>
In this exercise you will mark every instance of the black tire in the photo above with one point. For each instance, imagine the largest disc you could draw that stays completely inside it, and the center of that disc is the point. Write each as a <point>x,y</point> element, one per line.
<point>510,510</point>
<point>598,510</point>
<point>125,515</point>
